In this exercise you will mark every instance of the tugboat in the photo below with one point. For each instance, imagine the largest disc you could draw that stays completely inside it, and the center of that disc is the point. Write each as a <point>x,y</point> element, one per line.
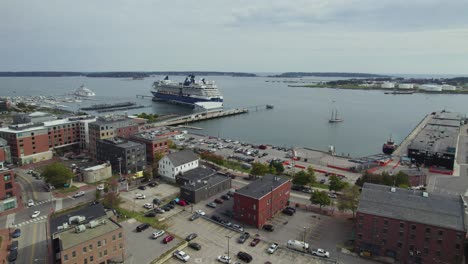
<point>389,147</point>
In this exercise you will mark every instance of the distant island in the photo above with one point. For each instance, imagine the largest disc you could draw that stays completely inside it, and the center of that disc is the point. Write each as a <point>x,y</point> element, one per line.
<point>327,74</point>
<point>136,75</point>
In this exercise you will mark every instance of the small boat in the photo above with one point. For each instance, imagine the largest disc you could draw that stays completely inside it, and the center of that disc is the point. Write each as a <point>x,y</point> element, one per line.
<point>269,106</point>
<point>84,92</point>
<point>334,117</point>
<point>389,147</point>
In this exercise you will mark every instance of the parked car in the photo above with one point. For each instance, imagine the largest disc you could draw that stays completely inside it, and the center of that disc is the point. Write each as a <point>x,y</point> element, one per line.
<point>142,227</point>
<point>224,259</point>
<point>200,212</point>
<point>13,246</point>
<point>171,205</point>
<point>157,233</point>
<point>273,247</point>
<point>142,187</point>
<point>156,201</point>
<point>140,196</point>
<point>100,187</point>
<point>230,193</point>
<point>322,181</point>
<point>35,214</point>
<point>320,253</point>
<point>13,255</point>
<point>216,218</point>
<point>166,208</point>
<point>148,206</point>
<point>168,239</point>
<point>238,227</point>
<point>287,212</point>
<point>194,217</point>
<point>79,194</point>
<point>150,214</point>
<point>244,256</point>
<point>332,195</point>
<point>159,210</point>
<point>254,242</point>
<point>16,233</point>
<point>30,203</point>
<point>195,246</point>
<point>291,209</point>
<point>212,205</point>
<point>218,201</point>
<point>191,237</point>
<point>152,184</point>
<point>225,197</point>
<point>181,255</point>
<point>269,228</point>
<point>243,238</point>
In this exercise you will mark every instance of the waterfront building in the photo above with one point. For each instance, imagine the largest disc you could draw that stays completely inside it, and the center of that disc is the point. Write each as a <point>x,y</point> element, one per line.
<point>259,201</point>
<point>87,235</point>
<point>405,86</point>
<point>125,156</point>
<point>34,142</point>
<point>202,183</point>
<point>430,87</point>
<point>387,85</point>
<point>154,141</point>
<point>410,226</point>
<point>107,127</point>
<point>177,163</point>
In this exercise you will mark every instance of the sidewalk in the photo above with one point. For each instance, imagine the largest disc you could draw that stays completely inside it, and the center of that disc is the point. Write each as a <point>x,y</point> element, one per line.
<point>81,188</point>
<point>5,235</point>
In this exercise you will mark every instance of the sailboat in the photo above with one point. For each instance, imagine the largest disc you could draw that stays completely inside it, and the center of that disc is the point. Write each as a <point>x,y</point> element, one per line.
<point>334,117</point>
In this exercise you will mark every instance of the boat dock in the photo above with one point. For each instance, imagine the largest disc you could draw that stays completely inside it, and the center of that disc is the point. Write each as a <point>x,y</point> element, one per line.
<point>402,148</point>
<point>195,117</point>
<point>143,96</point>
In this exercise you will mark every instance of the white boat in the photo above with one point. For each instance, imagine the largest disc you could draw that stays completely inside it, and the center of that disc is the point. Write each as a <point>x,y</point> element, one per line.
<point>84,92</point>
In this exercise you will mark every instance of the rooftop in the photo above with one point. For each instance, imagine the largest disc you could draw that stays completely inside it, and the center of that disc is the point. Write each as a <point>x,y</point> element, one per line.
<point>182,157</point>
<point>432,138</point>
<point>121,142</point>
<point>411,205</point>
<point>209,181</point>
<point>97,167</point>
<point>262,186</point>
<point>197,174</point>
<point>150,136</point>
<point>70,238</point>
<point>89,211</point>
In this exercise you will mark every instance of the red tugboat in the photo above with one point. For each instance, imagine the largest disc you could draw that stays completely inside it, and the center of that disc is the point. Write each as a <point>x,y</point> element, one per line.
<point>389,147</point>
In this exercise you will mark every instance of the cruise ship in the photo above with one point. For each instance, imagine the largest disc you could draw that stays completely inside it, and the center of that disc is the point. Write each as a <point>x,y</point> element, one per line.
<point>84,92</point>
<point>188,92</point>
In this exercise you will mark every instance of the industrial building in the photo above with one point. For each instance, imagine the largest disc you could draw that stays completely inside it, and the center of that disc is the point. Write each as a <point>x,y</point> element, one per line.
<point>177,163</point>
<point>87,235</point>
<point>125,156</point>
<point>410,226</point>
<point>96,173</point>
<point>259,201</point>
<point>154,141</point>
<point>201,183</point>
<point>436,143</point>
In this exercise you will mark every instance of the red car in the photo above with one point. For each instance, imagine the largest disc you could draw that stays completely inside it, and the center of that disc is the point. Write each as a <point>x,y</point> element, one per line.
<point>182,203</point>
<point>168,239</point>
<point>254,242</point>
<point>218,201</point>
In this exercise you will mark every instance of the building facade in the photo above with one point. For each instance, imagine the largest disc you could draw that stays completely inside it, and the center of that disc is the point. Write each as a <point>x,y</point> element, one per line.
<point>177,163</point>
<point>259,201</point>
<point>202,183</point>
<point>154,142</point>
<point>87,236</point>
<point>5,153</point>
<point>410,226</point>
<point>8,190</point>
<point>96,173</point>
<point>125,156</point>
<point>109,127</point>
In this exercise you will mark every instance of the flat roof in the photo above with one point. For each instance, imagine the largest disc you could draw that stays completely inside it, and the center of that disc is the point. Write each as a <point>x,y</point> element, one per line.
<point>121,142</point>
<point>436,209</point>
<point>198,173</point>
<point>150,136</point>
<point>70,238</point>
<point>89,211</point>
<point>209,181</point>
<point>440,139</point>
<point>262,186</point>
<point>97,167</point>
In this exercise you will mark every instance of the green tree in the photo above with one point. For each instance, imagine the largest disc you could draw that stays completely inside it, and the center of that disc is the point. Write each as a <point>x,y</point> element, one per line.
<point>349,200</point>
<point>171,144</point>
<point>279,168</point>
<point>98,195</point>
<point>57,174</point>
<point>111,200</point>
<point>320,198</point>
<point>148,174</point>
<point>336,184</point>
<point>259,169</point>
<point>302,178</point>
<point>402,179</point>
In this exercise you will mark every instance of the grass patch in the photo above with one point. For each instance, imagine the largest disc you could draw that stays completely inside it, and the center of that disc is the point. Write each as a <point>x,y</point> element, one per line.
<point>126,214</point>
<point>67,190</point>
<point>230,164</point>
<point>320,185</point>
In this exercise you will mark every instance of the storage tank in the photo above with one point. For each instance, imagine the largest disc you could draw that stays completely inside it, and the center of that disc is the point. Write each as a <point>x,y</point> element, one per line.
<point>388,85</point>
<point>447,87</point>
<point>431,87</point>
<point>406,86</point>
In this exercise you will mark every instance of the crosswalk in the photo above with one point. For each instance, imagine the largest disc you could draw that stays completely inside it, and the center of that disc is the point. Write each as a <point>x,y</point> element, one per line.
<point>34,220</point>
<point>45,201</point>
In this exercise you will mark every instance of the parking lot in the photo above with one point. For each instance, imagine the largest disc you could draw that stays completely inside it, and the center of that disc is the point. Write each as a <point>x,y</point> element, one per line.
<point>214,241</point>
<point>162,191</point>
<point>141,247</point>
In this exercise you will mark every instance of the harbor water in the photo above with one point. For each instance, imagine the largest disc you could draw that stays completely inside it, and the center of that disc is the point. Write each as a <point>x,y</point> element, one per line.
<point>299,118</point>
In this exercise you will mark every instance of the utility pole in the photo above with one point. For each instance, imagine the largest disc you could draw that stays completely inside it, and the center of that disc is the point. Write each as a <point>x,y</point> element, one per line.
<point>303,240</point>
<point>228,238</point>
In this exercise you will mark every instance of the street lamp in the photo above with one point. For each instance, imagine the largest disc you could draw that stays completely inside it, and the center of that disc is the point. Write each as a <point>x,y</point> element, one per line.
<point>228,238</point>
<point>305,228</point>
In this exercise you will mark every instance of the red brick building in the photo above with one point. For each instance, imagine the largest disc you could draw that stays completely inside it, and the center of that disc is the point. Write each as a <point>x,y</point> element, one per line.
<point>259,201</point>
<point>8,190</point>
<point>154,142</point>
<point>410,226</point>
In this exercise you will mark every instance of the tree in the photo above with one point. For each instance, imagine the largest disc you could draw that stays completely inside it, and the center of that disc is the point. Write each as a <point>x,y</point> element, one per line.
<point>320,198</point>
<point>98,195</point>
<point>349,200</point>
<point>148,174</point>
<point>336,184</point>
<point>57,174</point>
<point>402,179</point>
<point>111,200</point>
<point>278,166</point>
<point>158,155</point>
<point>301,178</point>
<point>311,173</point>
<point>259,169</point>
<point>171,144</point>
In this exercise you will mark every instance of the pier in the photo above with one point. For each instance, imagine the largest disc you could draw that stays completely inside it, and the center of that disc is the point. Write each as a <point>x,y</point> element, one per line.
<point>183,120</point>
<point>143,96</point>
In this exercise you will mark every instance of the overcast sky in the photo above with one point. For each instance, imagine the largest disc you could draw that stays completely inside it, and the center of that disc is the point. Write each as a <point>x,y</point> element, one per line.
<point>376,36</point>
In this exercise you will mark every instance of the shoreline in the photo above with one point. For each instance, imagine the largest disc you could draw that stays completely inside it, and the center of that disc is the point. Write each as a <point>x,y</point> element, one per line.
<point>322,86</point>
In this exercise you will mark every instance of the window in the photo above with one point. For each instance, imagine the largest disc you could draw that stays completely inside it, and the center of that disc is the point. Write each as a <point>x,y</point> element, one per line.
<point>457,246</point>
<point>105,252</point>
<point>441,232</point>
<point>84,249</point>
<point>74,254</point>
<point>413,227</point>
<point>85,261</point>
<point>7,177</point>
<point>385,230</point>
<point>120,245</point>
<point>99,243</point>
<point>385,222</point>
<point>359,236</point>
<point>439,241</point>
<point>384,241</point>
<point>113,237</point>
<point>399,244</point>
<point>91,258</point>
<point>459,236</point>
<point>438,253</point>
<point>402,225</point>
<point>428,230</point>
<point>401,233</point>
<point>426,251</point>
<point>65,257</point>
<point>100,254</point>
<point>8,185</point>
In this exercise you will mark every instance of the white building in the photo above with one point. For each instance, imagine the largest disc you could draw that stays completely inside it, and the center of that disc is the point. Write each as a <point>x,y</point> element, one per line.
<point>176,163</point>
<point>388,85</point>
<point>431,87</point>
<point>405,86</point>
<point>447,87</point>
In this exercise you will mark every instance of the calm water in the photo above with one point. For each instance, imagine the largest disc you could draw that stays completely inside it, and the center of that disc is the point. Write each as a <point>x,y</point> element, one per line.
<point>300,116</point>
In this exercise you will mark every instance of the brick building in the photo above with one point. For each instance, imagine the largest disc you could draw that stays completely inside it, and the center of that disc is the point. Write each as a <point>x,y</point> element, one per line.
<point>109,127</point>
<point>410,226</point>
<point>132,155</point>
<point>259,201</point>
<point>8,189</point>
<point>202,183</point>
<point>87,235</point>
<point>154,142</point>
<point>34,142</point>
<point>5,153</point>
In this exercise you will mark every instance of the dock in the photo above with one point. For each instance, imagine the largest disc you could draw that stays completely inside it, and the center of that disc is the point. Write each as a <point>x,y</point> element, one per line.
<point>195,117</point>
<point>143,96</point>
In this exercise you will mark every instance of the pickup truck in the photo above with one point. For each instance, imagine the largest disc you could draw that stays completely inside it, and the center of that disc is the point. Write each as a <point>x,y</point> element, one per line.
<point>320,253</point>
<point>273,247</point>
